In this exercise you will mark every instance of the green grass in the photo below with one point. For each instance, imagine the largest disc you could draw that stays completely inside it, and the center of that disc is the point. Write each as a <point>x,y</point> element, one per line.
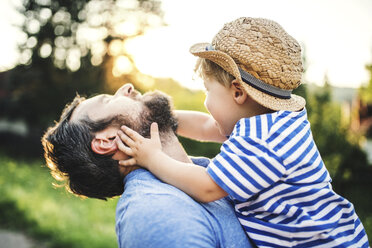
<point>29,202</point>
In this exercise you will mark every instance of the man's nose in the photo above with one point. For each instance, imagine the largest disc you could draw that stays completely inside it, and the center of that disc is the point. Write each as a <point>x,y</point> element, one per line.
<point>124,90</point>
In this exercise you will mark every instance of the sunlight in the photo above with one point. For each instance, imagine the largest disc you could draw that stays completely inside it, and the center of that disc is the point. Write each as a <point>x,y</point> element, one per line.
<point>146,81</point>
<point>133,46</point>
<point>122,65</point>
<point>115,48</point>
<point>156,55</point>
<point>45,50</point>
<point>160,54</point>
<point>163,52</point>
<point>127,28</point>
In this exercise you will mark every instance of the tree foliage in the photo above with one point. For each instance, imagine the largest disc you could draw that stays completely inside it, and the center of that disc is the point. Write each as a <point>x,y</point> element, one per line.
<point>340,150</point>
<point>69,47</point>
<point>366,91</point>
<point>67,30</point>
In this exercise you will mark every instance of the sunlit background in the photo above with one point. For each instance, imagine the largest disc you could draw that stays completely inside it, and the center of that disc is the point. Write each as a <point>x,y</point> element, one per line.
<point>52,49</point>
<point>336,36</point>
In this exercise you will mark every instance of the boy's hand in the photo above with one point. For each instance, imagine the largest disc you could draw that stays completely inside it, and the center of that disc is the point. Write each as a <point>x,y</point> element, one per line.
<point>139,148</point>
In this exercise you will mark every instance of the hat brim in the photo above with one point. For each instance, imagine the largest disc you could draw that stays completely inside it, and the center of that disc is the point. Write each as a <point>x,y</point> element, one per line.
<point>222,59</point>
<point>218,57</point>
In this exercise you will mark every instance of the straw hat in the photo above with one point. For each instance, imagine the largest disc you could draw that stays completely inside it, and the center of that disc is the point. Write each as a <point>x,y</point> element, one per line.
<point>262,57</point>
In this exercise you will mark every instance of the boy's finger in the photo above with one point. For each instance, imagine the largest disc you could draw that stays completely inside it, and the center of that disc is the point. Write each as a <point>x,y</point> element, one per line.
<point>128,162</point>
<point>154,131</point>
<point>127,140</point>
<point>131,133</point>
<point>124,148</point>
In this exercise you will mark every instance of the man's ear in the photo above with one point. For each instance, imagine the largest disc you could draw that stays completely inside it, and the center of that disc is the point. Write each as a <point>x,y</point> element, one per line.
<point>104,143</point>
<point>239,94</point>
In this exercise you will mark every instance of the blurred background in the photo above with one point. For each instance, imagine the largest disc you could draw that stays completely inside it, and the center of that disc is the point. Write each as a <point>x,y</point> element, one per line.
<point>51,49</point>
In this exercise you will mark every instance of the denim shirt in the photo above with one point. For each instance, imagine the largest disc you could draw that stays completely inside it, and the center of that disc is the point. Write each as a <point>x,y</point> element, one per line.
<point>151,213</point>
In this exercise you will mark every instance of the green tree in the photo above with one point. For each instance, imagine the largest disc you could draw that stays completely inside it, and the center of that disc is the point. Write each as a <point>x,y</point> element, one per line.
<point>365,95</point>
<point>365,92</point>
<point>67,50</point>
<point>342,156</point>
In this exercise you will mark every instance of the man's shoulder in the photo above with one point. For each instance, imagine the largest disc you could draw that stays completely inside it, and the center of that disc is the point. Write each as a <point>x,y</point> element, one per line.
<point>151,213</point>
<point>141,187</point>
<point>201,161</point>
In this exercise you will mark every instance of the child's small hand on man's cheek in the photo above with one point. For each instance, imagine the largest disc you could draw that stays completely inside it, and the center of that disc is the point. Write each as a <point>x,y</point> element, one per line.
<point>140,148</point>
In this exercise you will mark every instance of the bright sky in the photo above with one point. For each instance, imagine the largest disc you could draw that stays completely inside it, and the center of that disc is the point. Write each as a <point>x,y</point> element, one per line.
<point>336,35</point>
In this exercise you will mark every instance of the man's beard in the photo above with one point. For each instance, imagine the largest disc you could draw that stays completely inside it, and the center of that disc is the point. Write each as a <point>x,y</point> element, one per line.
<point>157,108</point>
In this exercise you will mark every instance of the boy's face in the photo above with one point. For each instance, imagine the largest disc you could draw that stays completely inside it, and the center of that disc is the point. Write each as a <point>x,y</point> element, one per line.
<point>220,103</point>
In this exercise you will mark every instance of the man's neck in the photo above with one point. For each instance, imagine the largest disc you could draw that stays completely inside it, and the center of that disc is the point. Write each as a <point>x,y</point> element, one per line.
<point>170,146</point>
<point>173,148</point>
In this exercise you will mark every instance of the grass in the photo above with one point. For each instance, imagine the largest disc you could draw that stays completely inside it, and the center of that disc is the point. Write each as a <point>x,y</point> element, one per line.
<point>29,202</point>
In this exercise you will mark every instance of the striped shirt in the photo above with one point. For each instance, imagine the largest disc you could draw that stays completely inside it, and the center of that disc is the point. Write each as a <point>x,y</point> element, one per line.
<point>281,188</point>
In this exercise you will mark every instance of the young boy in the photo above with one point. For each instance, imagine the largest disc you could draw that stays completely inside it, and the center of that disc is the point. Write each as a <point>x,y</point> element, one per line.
<point>269,164</point>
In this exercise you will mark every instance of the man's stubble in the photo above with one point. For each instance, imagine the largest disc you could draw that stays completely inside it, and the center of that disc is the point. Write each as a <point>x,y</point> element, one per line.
<point>157,108</point>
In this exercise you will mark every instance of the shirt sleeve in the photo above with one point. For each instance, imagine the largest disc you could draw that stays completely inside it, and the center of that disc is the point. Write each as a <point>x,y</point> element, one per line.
<point>246,166</point>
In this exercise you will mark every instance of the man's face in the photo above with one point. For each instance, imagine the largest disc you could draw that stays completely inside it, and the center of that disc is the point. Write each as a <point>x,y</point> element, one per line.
<point>126,102</point>
<point>72,148</point>
<point>128,107</point>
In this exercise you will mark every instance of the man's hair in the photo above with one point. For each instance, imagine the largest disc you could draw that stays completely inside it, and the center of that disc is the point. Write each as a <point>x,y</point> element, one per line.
<point>207,69</point>
<point>68,154</point>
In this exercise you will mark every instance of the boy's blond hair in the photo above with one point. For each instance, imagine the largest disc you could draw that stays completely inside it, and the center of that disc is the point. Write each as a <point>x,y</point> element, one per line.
<point>207,69</point>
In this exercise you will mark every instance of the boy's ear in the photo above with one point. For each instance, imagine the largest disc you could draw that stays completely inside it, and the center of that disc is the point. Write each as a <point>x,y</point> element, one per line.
<point>239,94</point>
<point>104,144</point>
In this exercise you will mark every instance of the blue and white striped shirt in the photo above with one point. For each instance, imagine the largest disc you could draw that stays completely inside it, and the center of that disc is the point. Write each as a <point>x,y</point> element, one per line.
<point>272,169</point>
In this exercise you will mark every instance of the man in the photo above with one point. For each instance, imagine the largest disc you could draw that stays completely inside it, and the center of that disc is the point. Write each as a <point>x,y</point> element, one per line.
<point>82,149</point>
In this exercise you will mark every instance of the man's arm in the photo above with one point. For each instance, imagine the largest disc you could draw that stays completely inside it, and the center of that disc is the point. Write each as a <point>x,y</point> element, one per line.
<point>193,180</point>
<point>198,125</point>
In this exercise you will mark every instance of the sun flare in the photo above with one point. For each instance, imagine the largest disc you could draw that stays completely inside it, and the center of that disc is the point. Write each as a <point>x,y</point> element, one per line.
<point>122,65</point>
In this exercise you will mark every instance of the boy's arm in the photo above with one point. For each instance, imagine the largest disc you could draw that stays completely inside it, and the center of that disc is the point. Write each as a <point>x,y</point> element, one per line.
<point>198,125</point>
<point>193,180</point>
